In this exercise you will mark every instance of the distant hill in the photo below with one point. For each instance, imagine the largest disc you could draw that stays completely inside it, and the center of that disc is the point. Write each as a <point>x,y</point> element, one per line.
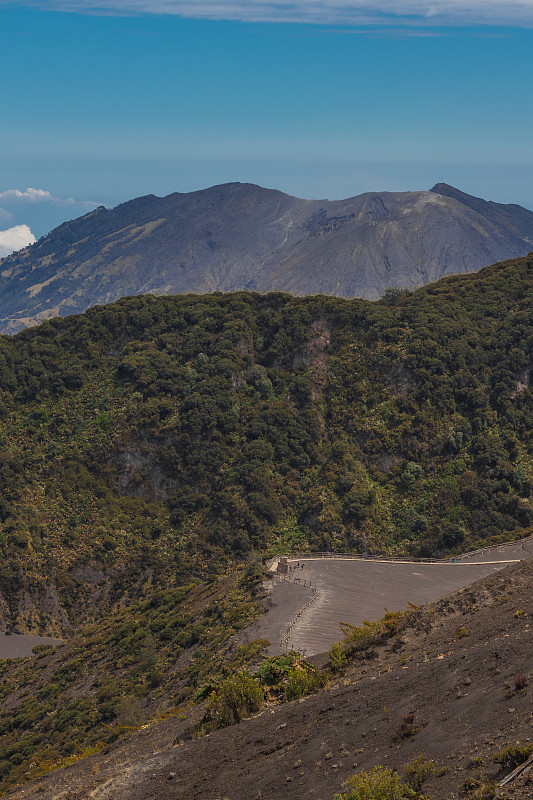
<point>240,236</point>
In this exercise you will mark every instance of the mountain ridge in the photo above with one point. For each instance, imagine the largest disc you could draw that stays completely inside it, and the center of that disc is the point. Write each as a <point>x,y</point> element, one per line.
<point>237,236</point>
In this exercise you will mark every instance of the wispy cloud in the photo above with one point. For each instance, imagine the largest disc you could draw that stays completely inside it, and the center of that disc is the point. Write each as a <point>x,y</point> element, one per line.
<point>327,12</point>
<point>11,198</point>
<point>30,195</point>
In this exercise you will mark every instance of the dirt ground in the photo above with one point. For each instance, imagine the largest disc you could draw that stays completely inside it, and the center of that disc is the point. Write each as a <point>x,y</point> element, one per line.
<point>16,645</point>
<point>453,667</point>
<point>351,591</point>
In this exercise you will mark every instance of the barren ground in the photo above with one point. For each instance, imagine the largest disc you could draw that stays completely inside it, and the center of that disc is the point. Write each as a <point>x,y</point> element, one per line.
<point>453,666</point>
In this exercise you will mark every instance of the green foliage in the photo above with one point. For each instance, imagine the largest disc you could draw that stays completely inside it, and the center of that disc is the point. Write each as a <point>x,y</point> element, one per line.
<point>288,677</point>
<point>156,442</point>
<point>378,784</point>
<point>278,679</point>
<point>337,657</point>
<point>184,432</point>
<point>121,671</point>
<point>302,681</point>
<point>475,789</point>
<point>513,755</point>
<point>234,698</point>
<point>357,639</point>
<point>418,770</point>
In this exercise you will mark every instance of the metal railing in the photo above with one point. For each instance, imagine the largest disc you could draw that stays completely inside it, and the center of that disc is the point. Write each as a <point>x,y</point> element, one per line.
<point>406,559</point>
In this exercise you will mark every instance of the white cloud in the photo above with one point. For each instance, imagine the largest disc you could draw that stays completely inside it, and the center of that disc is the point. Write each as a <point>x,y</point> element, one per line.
<point>341,12</point>
<point>15,239</point>
<point>34,196</point>
<point>39,208</point>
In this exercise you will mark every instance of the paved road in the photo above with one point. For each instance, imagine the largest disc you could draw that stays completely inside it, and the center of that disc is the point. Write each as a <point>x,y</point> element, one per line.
<point>354,590</point>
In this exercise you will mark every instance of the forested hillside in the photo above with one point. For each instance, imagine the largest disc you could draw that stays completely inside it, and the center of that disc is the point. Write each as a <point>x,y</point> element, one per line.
<point>159,439</point>
<point>151,449</point>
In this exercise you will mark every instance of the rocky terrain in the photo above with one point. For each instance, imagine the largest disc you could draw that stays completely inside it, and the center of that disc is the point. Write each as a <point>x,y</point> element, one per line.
<point>453,683</point>
<point>241,236</point>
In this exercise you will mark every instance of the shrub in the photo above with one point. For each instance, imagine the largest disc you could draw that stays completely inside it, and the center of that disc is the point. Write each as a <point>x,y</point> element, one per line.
<point>337,657</point>
<point>302,680</point>
<point>358,639</point>
<point>513,755</point>
<point>408,727</point>
<point>233,699</point>
<point>477,790</point>
<point>289,677</point>
<point>520,682</point>
<point>378,784</point>
<point>417,771</point>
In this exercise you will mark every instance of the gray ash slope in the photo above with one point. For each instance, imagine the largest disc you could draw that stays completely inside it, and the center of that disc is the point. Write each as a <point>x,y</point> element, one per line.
<point>453,666</point>
<point>243,237</point>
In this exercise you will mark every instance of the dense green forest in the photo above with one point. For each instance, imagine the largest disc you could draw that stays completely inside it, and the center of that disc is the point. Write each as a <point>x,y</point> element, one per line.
<point>153,450</point>
<point>170,437</point>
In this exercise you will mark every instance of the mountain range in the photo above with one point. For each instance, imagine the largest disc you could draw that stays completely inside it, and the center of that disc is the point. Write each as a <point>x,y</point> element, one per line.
<point>244,237</point>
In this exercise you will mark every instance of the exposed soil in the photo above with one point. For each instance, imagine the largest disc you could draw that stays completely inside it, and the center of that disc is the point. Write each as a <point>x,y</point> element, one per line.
<point>453,667</point>
<point>13,645</point>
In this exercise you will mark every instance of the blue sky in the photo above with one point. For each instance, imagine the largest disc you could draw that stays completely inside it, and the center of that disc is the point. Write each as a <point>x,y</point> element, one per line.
<point>104,100</point>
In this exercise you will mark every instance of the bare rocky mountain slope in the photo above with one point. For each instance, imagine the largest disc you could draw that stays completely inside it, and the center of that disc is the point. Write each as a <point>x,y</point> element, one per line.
<point>450,684</point>
<point>241,236</point>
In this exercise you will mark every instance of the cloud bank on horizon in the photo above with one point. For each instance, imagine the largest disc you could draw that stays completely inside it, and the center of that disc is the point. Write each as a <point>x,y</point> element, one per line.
<point>518,13</point>
<point>14,239</point>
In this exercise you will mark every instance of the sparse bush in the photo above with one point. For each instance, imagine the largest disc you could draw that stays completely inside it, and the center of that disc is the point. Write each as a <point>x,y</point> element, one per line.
<point>417,771</point>
<point>337,657</point>
<point>475,789</point>
<point>378,784</point>
<point>303,680</point>
<point>289,677</point>
<point>234,699</point>
<point>520,682</point>
<point>408,727</point>
<point>358,639</point>
<point>513,755</point>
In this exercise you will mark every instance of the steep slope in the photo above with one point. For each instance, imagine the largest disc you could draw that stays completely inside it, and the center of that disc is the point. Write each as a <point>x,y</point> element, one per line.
<point>157,439</point>
<point>513,218</point>
<point>453,684</point>
<point>149,447</point>
<point>241,236</point>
